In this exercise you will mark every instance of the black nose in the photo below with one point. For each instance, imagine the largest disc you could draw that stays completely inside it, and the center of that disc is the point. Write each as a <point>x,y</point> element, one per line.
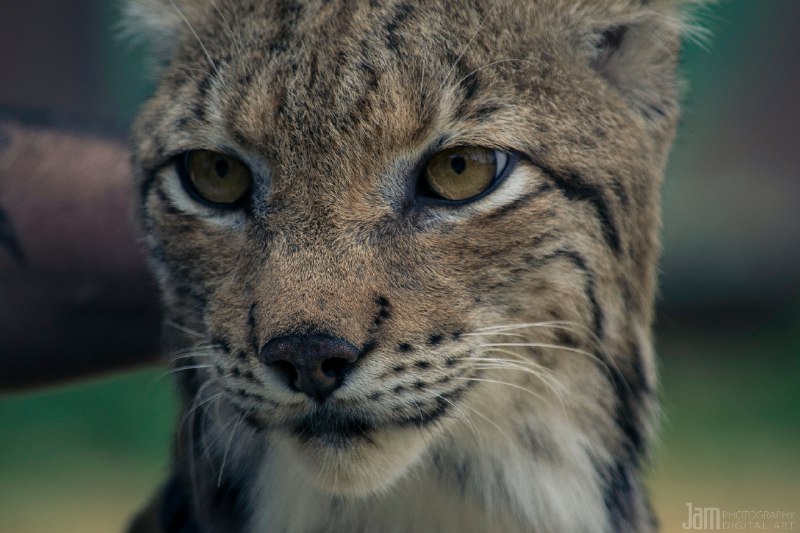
<point>314,364</point>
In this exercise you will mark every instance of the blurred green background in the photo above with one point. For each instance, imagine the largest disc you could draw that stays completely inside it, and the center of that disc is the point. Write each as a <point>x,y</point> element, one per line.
<point>82,458</point>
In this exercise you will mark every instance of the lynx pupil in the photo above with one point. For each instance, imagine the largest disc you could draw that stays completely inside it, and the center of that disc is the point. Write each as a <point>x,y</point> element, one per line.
<point>222,167</point>
<point>458,164</point>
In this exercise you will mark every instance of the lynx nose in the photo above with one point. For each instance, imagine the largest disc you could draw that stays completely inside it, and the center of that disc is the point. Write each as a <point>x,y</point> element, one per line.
<point>314,364</point>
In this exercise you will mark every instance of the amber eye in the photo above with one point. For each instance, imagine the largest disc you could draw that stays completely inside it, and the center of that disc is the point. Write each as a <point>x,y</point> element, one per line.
<point>215,177</point>
<point>462,173</point>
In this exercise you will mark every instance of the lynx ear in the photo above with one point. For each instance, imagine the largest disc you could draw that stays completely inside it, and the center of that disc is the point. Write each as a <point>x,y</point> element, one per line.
<point>158,24</point>
<point>639,54</point>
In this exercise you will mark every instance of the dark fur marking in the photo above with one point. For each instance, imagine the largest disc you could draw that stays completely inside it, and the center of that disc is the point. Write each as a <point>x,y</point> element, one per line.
<point>8,238</point>
<point>252,396</point>
<point>198,112</point>
<point>222,343</point>
<point>203,86</point>
<point>621,496</point>
<point>638,371</point>
<point>245,80</point>
<point>251,322</point>
<point>398,389</point>
<point>450,361</point>
<point>443,404</point>
<point>405,347</point>
<point>239,137</point>
<point>422,365</point>
<point>182,123</point>
<point>375,396</point>
<point>566,338</point>
<point>144,192</point>
<point>399,369</point>
<point>518,202</point>
<point>362,102</point>
<point>619,191</point>
<point>392,28</point>
<point>435,340</point>
<point>579,262</point>
<point>654,111</point>
<point>485,111</point>
<point>573,187</point>
<point>372,76</point>
<point>383,312</point>
<point>630,391</point>
<point>252,420</point>
<point>470,85</point>
<point>368,347</point>
<point>290,12</point>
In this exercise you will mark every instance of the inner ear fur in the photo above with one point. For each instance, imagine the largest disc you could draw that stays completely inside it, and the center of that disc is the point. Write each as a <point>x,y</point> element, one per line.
<point>639,55</point>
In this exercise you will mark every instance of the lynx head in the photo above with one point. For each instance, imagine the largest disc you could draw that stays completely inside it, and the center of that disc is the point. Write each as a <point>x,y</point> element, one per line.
<point>394,229</point>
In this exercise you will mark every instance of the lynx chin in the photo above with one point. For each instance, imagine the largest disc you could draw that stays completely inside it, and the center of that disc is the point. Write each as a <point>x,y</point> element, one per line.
<point>407,251</point>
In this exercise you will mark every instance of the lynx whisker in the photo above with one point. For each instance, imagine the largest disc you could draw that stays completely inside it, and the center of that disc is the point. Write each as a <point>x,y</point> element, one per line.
<point>197,37</point>
<point>464,418</point>
<point>227,449</point>
<point>493,63</point>
<point>604,359</point>
<point>544,374</point>
<point>235,37</point>
<point>512,385</point>
<point>469,43</point>
<point>184,329</point>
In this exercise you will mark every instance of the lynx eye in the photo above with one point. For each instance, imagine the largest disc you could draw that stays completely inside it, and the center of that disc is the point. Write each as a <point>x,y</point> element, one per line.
<point>462,173</point>
<point>214,177</point>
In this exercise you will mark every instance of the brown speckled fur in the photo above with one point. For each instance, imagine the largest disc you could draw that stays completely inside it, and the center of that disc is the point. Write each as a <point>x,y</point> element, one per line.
<point>334,105</point>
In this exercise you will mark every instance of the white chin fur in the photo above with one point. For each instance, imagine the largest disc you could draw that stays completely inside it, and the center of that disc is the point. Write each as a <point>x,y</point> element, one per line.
<point>358,468</point>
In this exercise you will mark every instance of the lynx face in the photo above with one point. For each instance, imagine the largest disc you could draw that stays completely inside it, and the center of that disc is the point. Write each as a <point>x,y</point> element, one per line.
<point>412,240</point>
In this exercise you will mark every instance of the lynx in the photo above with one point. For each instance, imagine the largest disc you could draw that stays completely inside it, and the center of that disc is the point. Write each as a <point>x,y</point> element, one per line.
<point>408,252</point>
